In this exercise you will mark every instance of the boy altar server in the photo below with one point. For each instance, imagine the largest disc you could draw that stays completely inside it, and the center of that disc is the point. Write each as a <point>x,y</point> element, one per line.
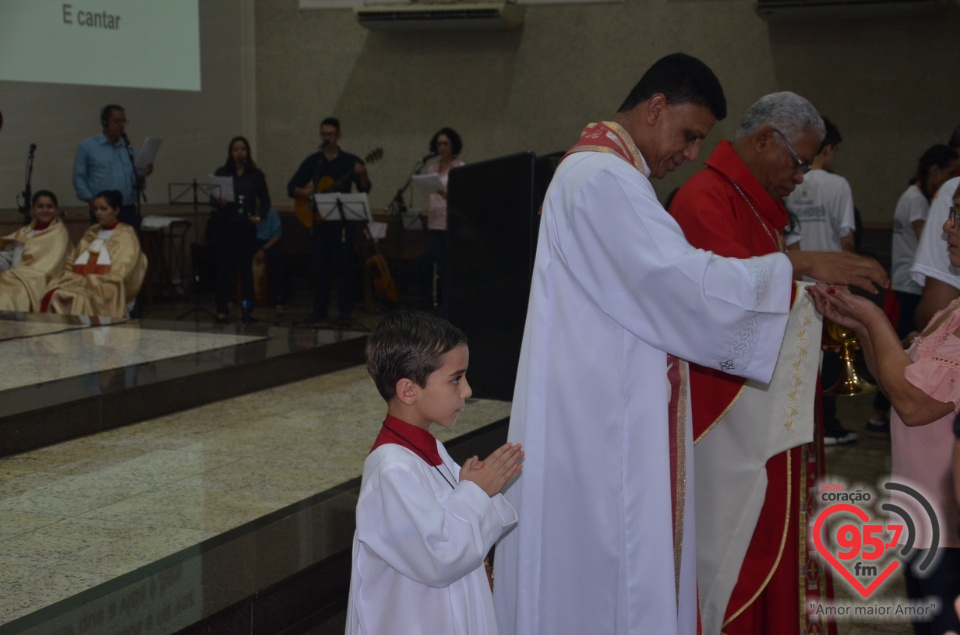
<point>424,524</point>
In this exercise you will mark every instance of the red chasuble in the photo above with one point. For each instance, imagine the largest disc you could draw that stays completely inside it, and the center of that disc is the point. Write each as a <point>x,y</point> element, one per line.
<point>724,209</point>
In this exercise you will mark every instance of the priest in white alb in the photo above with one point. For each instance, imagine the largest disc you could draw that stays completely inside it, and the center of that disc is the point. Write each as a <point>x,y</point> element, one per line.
<point>605,535</point>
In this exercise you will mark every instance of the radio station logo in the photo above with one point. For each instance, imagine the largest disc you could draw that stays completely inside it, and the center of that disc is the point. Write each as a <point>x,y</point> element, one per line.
<point>865,548</point>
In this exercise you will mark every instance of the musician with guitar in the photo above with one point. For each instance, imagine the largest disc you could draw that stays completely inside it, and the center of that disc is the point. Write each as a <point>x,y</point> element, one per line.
<point>331,170</point>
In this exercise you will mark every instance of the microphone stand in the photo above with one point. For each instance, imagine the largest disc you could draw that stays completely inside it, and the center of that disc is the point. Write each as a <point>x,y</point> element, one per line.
<point>195,189</point>
<point>27,193</point>
<point>398,207</point>
<point>137,180</point>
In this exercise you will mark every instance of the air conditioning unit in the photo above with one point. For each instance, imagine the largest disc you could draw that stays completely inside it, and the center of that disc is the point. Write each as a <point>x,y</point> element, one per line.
<point>806,9</point>
<point>434,17</point>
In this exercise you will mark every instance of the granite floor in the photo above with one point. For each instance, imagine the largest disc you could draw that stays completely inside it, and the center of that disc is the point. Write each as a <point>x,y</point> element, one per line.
<point>77,514</point>
<point>52,351</point>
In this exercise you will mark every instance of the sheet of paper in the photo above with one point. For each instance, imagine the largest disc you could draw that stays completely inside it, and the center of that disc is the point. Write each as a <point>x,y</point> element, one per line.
<point>148,151</point>
<point>353,207</point>
<point>226,186</point>
<point>428,183</point>
<point>378,230</point>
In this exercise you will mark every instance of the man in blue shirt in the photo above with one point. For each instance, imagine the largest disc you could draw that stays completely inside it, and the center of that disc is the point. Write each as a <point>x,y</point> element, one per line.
<point>105,162</point>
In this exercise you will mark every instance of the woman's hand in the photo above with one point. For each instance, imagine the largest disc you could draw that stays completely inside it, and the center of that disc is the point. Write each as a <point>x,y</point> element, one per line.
<point>837,304</point>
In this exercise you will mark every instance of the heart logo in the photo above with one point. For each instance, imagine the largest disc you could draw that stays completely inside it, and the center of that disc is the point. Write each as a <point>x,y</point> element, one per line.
<point>876,543</point>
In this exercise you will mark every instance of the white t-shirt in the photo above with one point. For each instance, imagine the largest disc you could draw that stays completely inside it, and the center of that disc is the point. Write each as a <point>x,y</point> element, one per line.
<point>933,259</point>
<point>823,204</point>
<point>911,207</point>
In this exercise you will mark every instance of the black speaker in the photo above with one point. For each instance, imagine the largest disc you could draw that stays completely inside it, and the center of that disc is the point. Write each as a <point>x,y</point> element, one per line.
<point>492,222</point>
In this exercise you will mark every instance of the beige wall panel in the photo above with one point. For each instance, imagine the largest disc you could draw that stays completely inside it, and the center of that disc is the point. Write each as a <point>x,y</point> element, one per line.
<point>890,84</point>
<point>195,126</point>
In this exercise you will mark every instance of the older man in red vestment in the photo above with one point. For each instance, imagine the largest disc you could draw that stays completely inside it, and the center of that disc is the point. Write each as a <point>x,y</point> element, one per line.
<point>733,207</point>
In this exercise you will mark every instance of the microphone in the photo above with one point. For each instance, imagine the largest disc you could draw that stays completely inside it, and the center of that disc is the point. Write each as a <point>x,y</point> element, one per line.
<point>33,147</point>
<point>428,156</point>
<point>323,146</point>
<point>126,142</point>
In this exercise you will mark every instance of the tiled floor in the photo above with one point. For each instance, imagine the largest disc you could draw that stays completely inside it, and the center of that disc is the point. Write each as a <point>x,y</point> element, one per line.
<point>79,513</point>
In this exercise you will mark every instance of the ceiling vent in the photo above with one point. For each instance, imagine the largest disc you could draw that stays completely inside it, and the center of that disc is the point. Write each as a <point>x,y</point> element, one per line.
<point>805,9</point>
<point>436,17</point>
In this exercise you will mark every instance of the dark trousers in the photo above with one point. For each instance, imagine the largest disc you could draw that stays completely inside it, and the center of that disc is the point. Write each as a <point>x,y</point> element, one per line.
<point>275,265</point>
<point>908,306</point>
<point>830,373</point>
<point>438,250</point>
<point>235,248</point>
<point>334,241</point>
<point>942,582</point>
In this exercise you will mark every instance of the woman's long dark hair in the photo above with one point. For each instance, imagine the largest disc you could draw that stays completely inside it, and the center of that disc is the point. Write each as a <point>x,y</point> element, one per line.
<point>229,166</point>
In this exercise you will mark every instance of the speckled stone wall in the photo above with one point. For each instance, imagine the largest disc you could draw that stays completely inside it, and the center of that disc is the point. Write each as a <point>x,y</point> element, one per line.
<point>890,84</point>
<point>195,126</point>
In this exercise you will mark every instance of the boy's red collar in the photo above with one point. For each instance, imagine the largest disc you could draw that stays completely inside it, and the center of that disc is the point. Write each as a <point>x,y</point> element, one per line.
<point>417,440</point>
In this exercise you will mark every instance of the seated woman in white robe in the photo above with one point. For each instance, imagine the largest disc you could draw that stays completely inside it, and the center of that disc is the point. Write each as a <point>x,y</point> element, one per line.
<point>33,255</point>
<point>106,270</point>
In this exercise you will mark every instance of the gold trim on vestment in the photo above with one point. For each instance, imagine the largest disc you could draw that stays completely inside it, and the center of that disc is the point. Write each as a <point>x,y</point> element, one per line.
<point>783,542</point>
<point>802,513</point>
<point>681,471</point>
<point>805,322</point>
<point>722,414</point>
<point>631,146</point>
<point>623,141</point>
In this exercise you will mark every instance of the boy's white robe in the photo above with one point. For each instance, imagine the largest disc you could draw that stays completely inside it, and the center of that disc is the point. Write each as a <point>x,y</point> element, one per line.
<point>419,547</point>
<point>615,288</point>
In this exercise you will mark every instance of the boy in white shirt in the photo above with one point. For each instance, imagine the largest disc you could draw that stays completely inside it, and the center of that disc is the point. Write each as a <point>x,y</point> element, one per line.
<point>424,524</point>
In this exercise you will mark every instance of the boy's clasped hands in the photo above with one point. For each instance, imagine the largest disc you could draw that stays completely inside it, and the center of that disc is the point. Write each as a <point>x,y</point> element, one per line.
<point>493,473</point>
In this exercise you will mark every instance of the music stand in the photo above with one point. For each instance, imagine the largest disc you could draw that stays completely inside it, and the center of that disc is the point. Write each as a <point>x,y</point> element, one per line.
<point>195,190</point>
<point>343,207</point>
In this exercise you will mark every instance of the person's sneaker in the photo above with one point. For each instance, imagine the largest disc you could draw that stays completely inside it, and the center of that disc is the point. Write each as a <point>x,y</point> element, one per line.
<point>878,429</point>
<point>836,434</point>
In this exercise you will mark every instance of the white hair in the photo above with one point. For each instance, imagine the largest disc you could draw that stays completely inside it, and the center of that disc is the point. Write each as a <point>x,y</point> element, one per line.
<point>788,112</point>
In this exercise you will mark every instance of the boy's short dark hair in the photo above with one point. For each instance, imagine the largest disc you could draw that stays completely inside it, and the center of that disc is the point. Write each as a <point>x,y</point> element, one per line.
<point>409,345</point>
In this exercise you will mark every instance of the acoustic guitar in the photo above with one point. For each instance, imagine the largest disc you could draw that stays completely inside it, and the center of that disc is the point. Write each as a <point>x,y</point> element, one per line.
<point>383,283</point>
<point>305,208</point>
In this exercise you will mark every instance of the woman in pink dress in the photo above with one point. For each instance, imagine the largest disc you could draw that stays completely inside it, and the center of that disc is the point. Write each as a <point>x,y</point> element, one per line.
<point>923,384</point>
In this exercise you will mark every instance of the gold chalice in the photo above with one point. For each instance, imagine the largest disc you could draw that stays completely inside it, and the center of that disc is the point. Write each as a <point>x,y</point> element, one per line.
<point>850,382</point>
